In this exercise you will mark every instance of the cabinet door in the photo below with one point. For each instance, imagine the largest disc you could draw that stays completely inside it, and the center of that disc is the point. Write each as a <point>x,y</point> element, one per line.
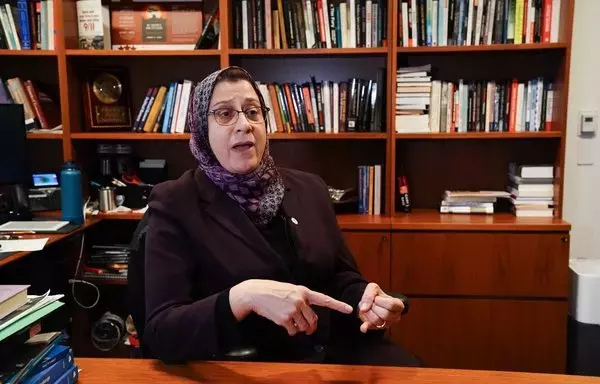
<point>372,253</point>
<point>516,335</point>
<point>481,264</point>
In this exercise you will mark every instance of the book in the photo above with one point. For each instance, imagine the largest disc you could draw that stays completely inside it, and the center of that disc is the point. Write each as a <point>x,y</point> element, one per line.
<point>11,298</point>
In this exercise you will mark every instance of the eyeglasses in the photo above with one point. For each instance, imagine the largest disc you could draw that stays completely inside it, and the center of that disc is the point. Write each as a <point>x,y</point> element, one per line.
<point>230,116</point>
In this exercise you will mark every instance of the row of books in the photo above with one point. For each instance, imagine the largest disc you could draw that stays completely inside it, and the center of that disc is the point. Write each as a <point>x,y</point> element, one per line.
<point>370,187</point>
<point>27,24</point>
<point>426,105</point>
<point>30,353</point>
<point>41,112</point>
<point>477,22</point>
<point>275,24</point>
<point>356,105</point>
<point>164,108</point>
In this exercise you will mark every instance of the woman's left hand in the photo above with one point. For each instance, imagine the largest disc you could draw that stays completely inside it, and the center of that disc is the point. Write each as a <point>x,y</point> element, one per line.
<point>378,310</point>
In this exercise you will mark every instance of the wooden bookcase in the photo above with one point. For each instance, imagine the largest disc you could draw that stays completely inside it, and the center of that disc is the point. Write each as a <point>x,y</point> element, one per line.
<point>432,162</point>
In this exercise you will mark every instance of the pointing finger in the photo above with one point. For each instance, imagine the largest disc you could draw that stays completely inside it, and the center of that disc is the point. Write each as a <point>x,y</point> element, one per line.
<point>322,300</point>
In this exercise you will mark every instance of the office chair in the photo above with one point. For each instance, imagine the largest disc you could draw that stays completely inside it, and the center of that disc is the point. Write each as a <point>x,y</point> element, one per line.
<point>136,296</point>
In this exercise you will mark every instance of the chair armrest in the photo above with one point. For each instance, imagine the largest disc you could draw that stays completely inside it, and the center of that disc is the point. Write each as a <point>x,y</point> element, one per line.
<point>404,301</point>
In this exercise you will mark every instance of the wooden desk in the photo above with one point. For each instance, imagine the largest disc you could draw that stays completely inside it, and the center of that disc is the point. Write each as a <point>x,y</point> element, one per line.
<point>106,371</point>
<point>52,238</point>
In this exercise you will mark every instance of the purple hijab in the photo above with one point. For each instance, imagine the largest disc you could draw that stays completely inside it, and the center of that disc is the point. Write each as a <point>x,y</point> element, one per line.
<point>260,192</point>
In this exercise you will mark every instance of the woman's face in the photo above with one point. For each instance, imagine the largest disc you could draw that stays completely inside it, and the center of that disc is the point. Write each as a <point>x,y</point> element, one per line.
<point>239,147</point>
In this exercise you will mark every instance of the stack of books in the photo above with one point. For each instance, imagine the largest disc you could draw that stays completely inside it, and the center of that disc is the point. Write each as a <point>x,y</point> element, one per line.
<point>107,262</point>
<point>470,201</point>
<point>413,98</point>
<point>532,190</point>
<point>28,355</point>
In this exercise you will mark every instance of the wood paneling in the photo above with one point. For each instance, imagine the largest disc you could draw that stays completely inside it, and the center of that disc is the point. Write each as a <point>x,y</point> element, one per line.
<point>481,264</point>
<point>372,253</point>
<point>486,334</point>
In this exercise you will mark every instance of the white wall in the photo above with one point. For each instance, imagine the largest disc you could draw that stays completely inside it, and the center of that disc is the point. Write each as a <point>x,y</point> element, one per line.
<point>582,182</point>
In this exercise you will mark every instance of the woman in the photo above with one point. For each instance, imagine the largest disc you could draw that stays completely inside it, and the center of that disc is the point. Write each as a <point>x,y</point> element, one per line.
<point>242,253</point>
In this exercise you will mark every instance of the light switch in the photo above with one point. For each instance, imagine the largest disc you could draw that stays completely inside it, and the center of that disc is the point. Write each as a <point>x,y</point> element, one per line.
<point>588,124</point>
<point>585,151</point>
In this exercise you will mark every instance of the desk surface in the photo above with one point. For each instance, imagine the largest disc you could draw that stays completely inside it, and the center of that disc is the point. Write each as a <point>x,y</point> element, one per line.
<point>107,371</point>
<point>52,238</point>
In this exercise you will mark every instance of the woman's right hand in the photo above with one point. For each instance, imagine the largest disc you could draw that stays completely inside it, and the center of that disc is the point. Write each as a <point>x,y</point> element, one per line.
<point>285,304</point>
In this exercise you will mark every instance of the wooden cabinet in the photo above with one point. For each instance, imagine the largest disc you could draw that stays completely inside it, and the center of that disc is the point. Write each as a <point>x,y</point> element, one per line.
<point>372,253</point>
<point>481,263</point>
<point>483,300</point>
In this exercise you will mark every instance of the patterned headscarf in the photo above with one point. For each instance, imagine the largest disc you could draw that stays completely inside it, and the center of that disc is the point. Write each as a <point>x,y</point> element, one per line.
<point>260,192</point>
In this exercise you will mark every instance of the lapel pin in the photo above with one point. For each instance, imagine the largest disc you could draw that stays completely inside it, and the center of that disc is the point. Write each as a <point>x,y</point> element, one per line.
<point>294,220</point>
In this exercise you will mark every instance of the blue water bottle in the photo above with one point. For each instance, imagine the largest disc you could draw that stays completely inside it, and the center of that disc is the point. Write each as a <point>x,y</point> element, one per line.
<point>71,194</point>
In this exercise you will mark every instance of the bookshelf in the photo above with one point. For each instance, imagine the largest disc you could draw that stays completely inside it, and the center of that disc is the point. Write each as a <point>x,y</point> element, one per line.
<point>432,162</point>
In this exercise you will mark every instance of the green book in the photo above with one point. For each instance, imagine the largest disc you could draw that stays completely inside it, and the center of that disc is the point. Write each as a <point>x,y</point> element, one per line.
<point>29,319</point>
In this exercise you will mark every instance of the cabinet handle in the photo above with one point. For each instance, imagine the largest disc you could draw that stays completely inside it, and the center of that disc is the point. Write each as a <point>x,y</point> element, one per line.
<point>565,239</point>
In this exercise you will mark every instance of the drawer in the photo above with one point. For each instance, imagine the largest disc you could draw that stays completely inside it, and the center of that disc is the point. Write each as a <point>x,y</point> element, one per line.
<point>480,264</point>
<point>512,335</point>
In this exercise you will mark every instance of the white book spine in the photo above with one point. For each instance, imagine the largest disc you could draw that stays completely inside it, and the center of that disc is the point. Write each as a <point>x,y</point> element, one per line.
<point>435,106</point>
<point>415,29</point>
<point>50,14</point>
<point>326,24</point>
<point>245,40</point>
<point>6,28</point>
<point>489,105</point>
<point>176,109</point>
<point>530,21</point>
<point>554,27</point>
<point>185,98</point>
<point>336,107</point>
<point>479,21</point>
<point>450,108</point>
<point>469,38</point>
<point>434,23</point>
<point>327,106</point>
<point>308,22</point>
<point>13,27</point>
<point>352,23</point>
<point>538,107</point>
<point>405,17</point>
<point>490,21</point>
<point>519,116</point>
<point>344,25</point>
<point>549,106</point>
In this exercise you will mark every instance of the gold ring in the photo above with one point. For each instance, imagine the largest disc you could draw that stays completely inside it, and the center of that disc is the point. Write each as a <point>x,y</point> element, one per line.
<point>382,325</point>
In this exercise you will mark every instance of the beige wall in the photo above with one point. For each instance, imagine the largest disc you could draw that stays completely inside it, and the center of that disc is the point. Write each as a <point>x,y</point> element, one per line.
<point>582,182</point>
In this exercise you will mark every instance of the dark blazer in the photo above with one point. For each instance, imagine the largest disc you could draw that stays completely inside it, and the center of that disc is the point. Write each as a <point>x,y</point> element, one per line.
<point>200,243</point>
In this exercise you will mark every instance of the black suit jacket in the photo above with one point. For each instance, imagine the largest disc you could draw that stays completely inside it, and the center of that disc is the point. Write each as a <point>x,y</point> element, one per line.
<point>200,243</point>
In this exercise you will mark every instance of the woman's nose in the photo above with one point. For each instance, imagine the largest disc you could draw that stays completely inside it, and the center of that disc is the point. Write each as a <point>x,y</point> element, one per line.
<point>243,125</point>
